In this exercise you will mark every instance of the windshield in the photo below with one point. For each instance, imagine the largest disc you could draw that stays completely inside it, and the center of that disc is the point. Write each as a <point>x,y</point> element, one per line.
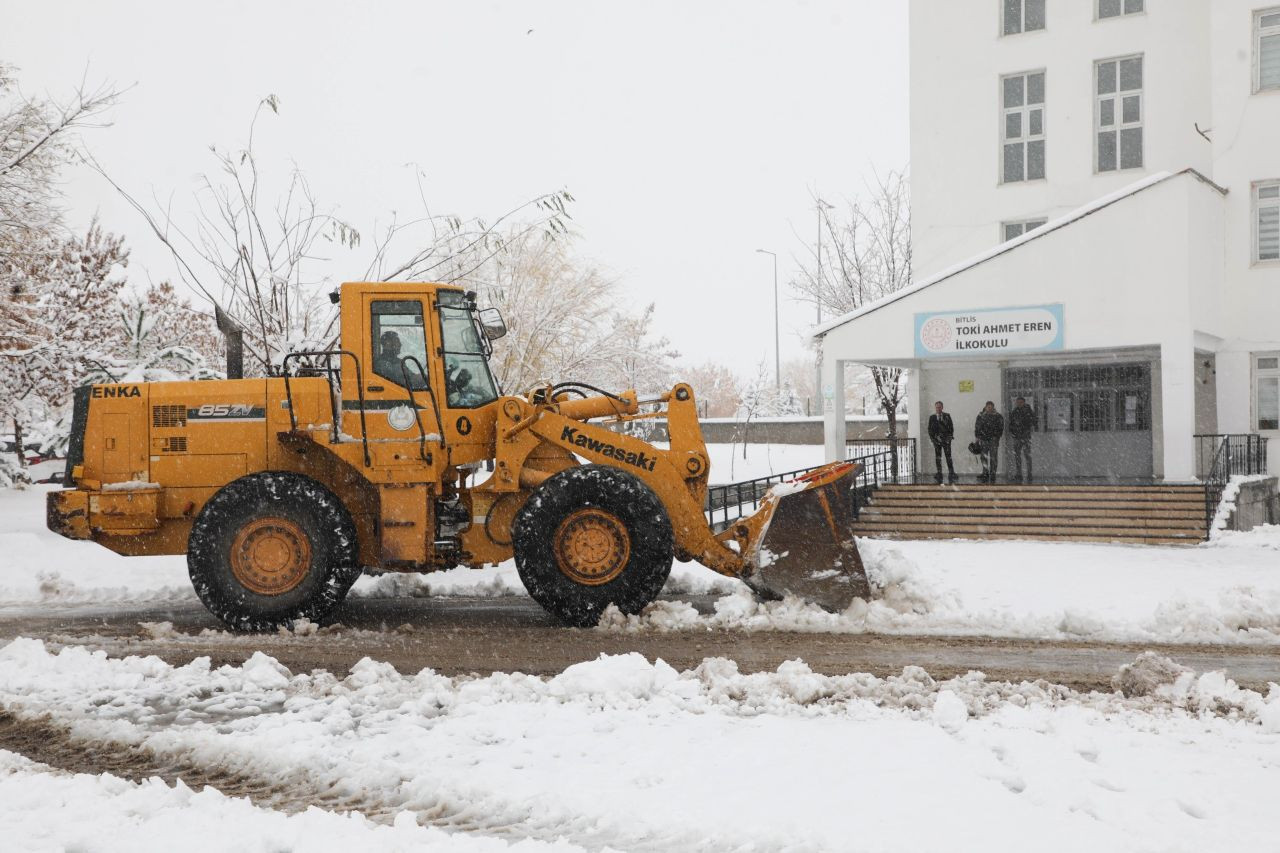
<point>468,382</point>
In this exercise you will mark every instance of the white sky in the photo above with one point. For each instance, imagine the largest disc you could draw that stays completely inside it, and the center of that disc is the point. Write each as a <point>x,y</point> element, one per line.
<point>690,133</point>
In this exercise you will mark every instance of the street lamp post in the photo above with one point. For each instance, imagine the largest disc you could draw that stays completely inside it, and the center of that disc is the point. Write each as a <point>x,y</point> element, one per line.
<point>817,388</point>
<point>777,351</point>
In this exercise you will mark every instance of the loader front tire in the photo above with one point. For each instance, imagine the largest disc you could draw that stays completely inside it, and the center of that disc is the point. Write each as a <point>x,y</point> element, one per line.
<point>589,537</point>
<point>271,548</point>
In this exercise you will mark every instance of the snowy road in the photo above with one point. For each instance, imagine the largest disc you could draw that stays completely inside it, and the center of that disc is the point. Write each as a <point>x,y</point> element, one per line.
<point>456,636</point>
<point>625,754</point>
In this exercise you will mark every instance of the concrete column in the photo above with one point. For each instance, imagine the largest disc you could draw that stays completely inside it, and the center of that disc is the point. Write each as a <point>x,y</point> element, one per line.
<point>832,395</point>
<point>1178,408</point>
<point>917,409</point>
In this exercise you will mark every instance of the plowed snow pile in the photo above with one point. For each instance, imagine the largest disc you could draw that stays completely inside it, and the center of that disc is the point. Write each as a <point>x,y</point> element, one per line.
<point>1227,591</point>
<point>623,753</point>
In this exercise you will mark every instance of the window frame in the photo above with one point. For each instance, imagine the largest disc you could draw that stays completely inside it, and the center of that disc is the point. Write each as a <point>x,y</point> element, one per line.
<point>417,383</point>
<point>1022,19</point>
<point>1027,225</point>
<point>1259,374</point>
<point>1098,16</point>
<point>1256,205</point>
<point>1274,30</point>
<point>1119,125</point>
<point>1024,111</point>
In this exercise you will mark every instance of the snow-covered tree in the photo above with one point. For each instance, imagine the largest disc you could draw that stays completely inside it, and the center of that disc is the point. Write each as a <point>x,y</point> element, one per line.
<point>37,137</point>
<point>563,320</point>
<point>864,255</point>
<point>164,337</point>
<point>716,388</point>
<point>634,356</point>
<point>552,302</point>
<point>64,299</point>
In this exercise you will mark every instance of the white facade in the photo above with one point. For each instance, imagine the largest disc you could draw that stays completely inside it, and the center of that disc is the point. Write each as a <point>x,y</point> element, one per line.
<point>1165,273</point>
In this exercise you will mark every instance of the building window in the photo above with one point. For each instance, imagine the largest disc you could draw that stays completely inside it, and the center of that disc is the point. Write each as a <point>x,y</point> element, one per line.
<point>1010,230</point>
<point>1267,398</point>
<point>1266,49</point>
<point>1266,221</point>
<point>1118,115</point>
<point>1116,8</point>
<point>1022,131</point>
<point>1022,16</point>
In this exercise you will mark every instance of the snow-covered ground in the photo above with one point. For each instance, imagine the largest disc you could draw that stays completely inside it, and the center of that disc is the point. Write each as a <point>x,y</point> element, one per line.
<point>1225,591</point>
<point>634,755</point>
<point>45,810</point>
<point>623,753</point>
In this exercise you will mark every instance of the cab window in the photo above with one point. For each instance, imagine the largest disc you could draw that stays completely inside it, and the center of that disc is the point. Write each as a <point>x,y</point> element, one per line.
<point>397,333</point>
<point>468,382</point>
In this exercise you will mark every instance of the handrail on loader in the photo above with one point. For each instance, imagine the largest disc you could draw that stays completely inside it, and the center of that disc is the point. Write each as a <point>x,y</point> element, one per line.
<point>333,400</point>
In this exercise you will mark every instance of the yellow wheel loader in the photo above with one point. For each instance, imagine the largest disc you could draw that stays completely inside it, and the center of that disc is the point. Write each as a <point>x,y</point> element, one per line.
<point>397,453</point>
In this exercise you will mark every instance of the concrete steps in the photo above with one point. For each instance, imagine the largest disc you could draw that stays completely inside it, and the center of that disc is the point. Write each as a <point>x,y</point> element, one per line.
<point>1133,514</point>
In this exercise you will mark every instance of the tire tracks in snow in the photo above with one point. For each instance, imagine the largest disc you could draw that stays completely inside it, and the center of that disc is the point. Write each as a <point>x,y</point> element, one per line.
<point>49,742</point>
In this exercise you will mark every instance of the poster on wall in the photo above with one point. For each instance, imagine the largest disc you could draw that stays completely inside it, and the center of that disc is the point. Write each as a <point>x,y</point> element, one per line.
<point>1131,409</point>
<point>987,331</point>
<point>1058,414</point>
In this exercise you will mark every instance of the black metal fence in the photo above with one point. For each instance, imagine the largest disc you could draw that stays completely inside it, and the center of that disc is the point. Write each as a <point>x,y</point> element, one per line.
<point>1219,457</point>
<point>903,461</point>
<point>729,502</point>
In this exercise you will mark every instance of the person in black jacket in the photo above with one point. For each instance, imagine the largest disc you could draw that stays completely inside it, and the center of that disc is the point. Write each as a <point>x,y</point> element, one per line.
<point>1022,422</point>
<point>987,429</point>
<point>941,432</point>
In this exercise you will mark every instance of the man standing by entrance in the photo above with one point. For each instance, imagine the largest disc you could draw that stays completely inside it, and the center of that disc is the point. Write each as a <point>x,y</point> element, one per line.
<point>941,432</point>
<point>1022,422</point>
<point>987,429</point>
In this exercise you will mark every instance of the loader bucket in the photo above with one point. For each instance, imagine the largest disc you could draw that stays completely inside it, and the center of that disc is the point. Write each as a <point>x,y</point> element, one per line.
<point>800,542</point>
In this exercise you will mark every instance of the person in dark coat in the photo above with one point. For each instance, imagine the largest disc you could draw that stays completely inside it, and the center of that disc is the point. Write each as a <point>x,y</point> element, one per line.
<point>987,429</point>
<point>942,432</point>
<point>1022,422</point>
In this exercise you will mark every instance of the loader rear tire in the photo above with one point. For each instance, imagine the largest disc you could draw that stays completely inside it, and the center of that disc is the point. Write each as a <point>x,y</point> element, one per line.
<point>589,537</point>
<point>271,548</point>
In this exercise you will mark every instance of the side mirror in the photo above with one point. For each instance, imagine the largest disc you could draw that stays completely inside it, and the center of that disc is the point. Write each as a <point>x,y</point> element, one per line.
<point>492,323</point>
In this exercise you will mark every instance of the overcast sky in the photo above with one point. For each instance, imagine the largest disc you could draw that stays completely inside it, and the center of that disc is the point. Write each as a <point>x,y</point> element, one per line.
<point>691,133</point>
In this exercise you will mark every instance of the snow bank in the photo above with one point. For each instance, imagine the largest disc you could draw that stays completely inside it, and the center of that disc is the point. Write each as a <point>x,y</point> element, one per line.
<point>623,752</point>
<point>1227,591</point>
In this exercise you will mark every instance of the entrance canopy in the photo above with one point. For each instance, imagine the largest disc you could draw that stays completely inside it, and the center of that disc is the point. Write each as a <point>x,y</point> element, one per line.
<point>1134,278</point>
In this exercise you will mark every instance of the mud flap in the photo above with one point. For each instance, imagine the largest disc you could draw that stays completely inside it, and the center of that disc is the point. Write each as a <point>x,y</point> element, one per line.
<point>802,542</point>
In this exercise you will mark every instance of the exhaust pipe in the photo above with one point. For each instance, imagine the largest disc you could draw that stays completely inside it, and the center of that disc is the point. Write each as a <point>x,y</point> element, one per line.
<point>235,342</point>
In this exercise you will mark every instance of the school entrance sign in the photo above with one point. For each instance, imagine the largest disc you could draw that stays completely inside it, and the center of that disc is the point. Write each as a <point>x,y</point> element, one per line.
<point>1030,328</point>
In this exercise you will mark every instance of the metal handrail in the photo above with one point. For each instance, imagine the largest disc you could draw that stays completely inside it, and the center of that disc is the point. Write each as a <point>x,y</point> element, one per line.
<point>413,401</point>
<point>895,447</point>
<point>728,496</point>
<point>1227,455</point>
<point>333,399</point>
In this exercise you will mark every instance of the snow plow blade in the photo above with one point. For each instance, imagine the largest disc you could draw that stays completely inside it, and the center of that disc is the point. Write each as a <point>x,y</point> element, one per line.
<point>801,540</point>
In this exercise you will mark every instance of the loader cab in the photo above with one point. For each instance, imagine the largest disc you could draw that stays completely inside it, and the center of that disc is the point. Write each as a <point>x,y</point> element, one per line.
<point>423,366</point>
